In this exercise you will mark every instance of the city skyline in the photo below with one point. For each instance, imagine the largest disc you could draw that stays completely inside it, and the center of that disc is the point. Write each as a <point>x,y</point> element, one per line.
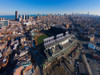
<point>8,7</point>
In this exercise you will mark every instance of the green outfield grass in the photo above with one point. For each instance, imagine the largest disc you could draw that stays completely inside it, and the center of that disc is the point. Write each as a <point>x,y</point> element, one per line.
<point>41,38</point>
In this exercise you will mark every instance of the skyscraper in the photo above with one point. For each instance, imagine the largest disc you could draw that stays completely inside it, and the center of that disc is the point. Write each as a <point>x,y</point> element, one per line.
<point>16,15</point>
<point>20,16</point>
<point>28,16</point>
<point>23,17</point>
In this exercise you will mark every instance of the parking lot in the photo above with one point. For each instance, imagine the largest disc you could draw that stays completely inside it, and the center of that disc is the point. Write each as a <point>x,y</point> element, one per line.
<point>94,64</point>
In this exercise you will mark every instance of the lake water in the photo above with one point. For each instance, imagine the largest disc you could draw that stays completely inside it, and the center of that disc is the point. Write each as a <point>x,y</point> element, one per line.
<point>9,17</point>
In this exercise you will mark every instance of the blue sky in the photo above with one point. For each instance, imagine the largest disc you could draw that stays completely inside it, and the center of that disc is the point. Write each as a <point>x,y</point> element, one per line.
<point>8,7</point>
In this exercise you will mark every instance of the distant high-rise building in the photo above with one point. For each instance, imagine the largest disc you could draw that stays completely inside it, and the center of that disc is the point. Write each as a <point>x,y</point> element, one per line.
<point>65,14</point>
<point>88,13</point>
<point>23,16</point>
<point>28,16</point>
<point>20,16</point>
<point>38,16</point>
<point>16,15</point>
<point>41,15</point>
<point>0,18</point>
<point>3,18</point>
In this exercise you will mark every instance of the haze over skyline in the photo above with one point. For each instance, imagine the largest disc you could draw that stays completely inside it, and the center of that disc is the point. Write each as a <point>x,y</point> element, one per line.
<point>8,7</point>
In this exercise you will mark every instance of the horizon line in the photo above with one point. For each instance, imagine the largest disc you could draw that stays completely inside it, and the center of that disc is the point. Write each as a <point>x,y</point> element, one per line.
<point>52,14</point>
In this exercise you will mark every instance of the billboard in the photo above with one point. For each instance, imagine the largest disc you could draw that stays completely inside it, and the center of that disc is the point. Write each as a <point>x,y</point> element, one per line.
<point>59,35</point>
<point>67,33</point>
<point>49,39</point>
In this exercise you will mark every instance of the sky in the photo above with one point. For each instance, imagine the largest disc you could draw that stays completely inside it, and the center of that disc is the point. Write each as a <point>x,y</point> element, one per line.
<point>8,7</point>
